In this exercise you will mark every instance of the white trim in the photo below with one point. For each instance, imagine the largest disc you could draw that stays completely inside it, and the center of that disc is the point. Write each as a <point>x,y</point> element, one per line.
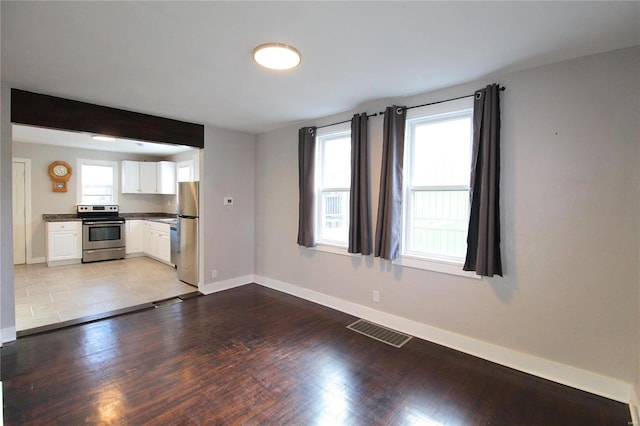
<point>442,266</point>
<point>416,116</point>
<point>335,249</point>
<point>41,259</point>
<point>323,135</point>
<point>547,369</point>
<point>1,408</point>
<point>217,286</point>
<point>116,176</point>
<point>186,163</point>
<point>202,211</point>
<point>63,262</point>
<point>8,334</point>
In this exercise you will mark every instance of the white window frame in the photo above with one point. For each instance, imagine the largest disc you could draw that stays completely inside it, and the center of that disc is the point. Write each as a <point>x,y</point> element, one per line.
<point>330,132</point>
<point>185,164</point>
<point>90,162</point>
<point>416,260</point>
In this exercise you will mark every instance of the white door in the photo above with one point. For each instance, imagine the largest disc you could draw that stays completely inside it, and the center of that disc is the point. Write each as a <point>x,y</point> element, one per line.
<point>19,215</point>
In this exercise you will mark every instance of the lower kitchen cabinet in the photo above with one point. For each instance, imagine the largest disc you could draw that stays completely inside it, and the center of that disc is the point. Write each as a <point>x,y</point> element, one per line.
<point>133,236</point>
<point>64,242</point>
<point>156,241</point>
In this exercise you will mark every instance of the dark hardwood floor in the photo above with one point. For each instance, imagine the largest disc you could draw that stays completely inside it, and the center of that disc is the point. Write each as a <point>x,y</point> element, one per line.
<point>251,355</point>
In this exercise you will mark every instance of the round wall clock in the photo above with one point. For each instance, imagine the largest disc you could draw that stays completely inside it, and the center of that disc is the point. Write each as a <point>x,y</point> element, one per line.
<point>60,173</point>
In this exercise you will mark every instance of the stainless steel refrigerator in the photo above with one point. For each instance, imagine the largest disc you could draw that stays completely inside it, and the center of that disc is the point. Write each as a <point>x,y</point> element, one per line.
<point>187,262</point>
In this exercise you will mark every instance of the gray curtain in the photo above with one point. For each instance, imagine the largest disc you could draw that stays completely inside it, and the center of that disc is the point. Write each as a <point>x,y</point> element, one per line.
<point>306,171</point>
<point>359,212</point>
<point>389,225</point>
<point>483,239</point>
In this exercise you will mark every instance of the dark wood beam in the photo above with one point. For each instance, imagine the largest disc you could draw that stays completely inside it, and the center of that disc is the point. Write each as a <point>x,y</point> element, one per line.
<point>40,110</point>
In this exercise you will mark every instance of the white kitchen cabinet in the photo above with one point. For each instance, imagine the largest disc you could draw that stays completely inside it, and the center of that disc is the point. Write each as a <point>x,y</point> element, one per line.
<point>156,241</point>
<point>130,171</point>
<point>64,242</point>
<point>166,177</point>
<point>133,236</point>
<point>164,246</point>
<point>148,177</point>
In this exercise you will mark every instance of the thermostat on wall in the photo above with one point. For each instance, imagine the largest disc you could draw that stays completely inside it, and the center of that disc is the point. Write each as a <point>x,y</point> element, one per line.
<point>228,201</point>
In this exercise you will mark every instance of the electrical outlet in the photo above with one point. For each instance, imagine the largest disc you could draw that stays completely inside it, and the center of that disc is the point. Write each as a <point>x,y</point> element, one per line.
<point>214,273</point>
<point>376,296</point>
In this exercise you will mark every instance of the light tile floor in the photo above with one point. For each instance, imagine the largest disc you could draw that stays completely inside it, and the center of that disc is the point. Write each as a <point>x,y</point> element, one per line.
<point>48,295</point>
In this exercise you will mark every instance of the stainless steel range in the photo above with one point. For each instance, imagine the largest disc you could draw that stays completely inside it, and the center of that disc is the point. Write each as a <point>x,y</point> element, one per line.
<point>102,232</point>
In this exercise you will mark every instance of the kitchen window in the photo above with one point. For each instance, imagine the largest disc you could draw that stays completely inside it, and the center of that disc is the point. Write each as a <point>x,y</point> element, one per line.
<point>97,183</point>
<point>333,182</point>
<point>437,167</point>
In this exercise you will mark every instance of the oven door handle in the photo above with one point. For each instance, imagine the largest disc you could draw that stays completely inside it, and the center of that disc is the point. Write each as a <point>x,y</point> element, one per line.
<point>118,222</point>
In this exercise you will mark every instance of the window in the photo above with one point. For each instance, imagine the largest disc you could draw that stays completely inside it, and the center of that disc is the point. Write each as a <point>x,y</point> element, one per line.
<point>185,171</point>
<point>333,181</point>
<point>437,169</point>
<point>97,183</point>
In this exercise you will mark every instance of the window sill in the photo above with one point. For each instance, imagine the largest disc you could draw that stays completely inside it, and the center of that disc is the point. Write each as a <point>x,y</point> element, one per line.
<point>335,249</point>
<point>442,266</point>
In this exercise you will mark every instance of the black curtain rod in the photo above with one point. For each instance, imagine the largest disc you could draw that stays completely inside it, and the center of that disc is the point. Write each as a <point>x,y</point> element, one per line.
<point>502,89</point>
<point>342,122</point>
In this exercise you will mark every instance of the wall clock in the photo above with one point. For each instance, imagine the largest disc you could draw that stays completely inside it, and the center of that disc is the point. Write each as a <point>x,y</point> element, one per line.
<point>60,173</point>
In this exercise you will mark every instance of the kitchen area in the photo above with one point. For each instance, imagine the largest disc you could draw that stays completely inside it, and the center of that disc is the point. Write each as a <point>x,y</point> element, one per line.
<point>96,248</point>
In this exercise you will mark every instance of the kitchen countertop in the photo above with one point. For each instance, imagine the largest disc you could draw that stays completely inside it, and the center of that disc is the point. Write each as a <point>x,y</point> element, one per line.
<point>60,217</point>
<point>155,217</point>
<point>171,219</point>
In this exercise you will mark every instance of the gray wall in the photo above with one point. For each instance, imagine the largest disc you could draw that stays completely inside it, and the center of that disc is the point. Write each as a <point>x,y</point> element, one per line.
<point>570,223</point>
<point>45,201</point>
<point>229,170</point>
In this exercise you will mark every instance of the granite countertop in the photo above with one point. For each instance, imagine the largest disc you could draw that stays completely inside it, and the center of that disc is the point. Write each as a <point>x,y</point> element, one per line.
<point>60,217</point>
<point>171,219</point>
<point>155,217</point>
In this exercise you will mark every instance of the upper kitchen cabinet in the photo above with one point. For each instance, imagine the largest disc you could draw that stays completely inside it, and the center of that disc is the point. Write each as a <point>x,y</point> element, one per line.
<point>139,177</point>
<point>148,177</point>
<point>166,177</point>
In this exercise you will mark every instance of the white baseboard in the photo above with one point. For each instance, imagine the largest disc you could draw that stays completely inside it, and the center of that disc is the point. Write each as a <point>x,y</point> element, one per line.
<point>217,286</point>
<point>36,260</point>
<point>547,369</point>
<point>8,334</point>
<point>137,254</point>
<point>54,263</point>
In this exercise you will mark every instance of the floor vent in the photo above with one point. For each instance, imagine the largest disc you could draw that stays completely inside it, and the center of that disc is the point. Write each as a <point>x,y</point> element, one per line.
<point>167,302</point>
<point>380,333</point>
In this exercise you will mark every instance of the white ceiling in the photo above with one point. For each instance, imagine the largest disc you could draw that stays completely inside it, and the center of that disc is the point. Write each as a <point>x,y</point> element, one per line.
<point>192,60</point>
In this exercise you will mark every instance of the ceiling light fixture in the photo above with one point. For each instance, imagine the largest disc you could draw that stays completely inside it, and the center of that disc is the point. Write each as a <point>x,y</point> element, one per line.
<point>276,56</point>
<point>103,138</point>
